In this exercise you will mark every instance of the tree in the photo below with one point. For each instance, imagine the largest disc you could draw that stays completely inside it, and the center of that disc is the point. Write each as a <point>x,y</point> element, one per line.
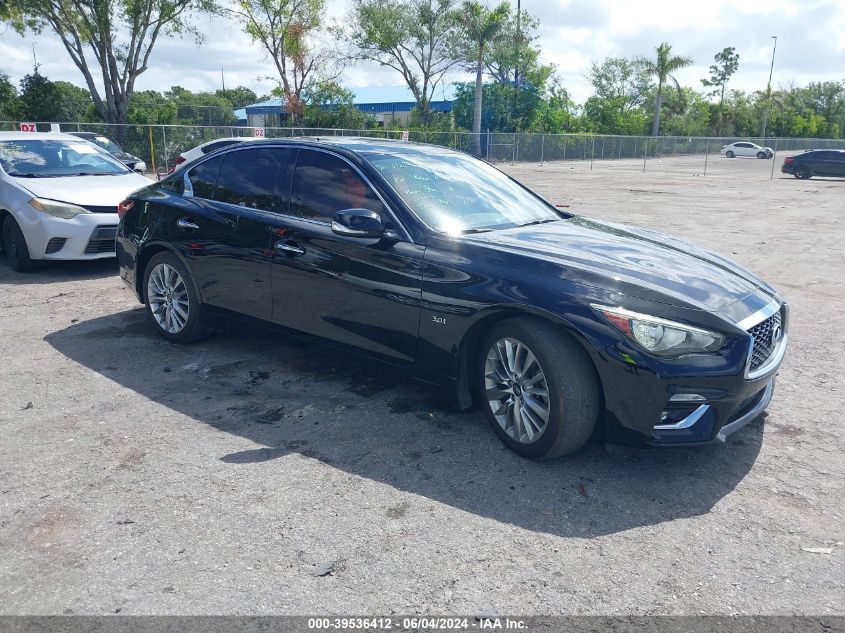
<point>727,63</point>
<point>621,89</point>
<point>9,102</point>
<point>119,34</point>
<point>514,54</point>
<point>330,105</point>
<point>74,103</point>
<point>39,98</point>
<point>239,97</point>
<point>481,26</point>
<point>286,30</point>
<point>662,67</point>
<point>416,38</point>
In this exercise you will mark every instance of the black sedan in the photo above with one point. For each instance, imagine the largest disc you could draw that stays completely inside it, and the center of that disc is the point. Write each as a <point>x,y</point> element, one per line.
<point>132,162</point>
<point>560,326</point>
<point>817,162</point>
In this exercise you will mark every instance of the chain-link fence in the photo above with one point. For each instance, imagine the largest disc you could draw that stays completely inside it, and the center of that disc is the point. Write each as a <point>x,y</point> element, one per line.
<point>160,145</point>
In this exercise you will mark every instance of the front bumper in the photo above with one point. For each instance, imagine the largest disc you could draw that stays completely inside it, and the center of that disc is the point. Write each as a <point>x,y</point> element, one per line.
<point>84,237</point>
<point>693,401</point>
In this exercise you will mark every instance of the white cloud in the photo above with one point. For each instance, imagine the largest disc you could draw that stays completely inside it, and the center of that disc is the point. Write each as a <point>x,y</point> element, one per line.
<point>811,45</point>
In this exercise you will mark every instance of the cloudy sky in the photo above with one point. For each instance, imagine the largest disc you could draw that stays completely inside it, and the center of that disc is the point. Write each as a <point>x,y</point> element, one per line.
<point>573,33</point>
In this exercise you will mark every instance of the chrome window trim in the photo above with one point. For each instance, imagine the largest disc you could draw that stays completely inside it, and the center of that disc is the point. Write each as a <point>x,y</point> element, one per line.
<point>189,190</point>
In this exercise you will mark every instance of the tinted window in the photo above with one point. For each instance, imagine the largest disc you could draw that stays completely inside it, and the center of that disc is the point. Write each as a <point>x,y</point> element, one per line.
<point>251,178</point>
<point>203,176</point>
<point>324,184</point>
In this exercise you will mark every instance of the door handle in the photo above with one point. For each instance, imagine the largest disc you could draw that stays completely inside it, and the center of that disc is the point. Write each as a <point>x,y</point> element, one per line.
<point>289,249</point>
<point>183,223</point>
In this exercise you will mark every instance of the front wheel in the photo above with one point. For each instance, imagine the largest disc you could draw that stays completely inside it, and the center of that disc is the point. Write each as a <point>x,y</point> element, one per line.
<point>15,247</point>
<point>729,154</point>
<point>762,155</point>
<point>172,303</point>
<point>538,388</point>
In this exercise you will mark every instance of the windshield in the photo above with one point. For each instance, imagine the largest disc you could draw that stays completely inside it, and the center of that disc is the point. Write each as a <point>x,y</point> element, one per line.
<point>107,144</point>
<point>456,193</point>
<point>54,158</point>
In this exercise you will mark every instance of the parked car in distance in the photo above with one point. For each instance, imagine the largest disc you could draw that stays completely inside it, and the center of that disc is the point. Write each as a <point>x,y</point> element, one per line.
<point>744,148</point>
<point>433,260</point>
<point>132,162</point>
<point>817,162</point>
<point>59,197</point>
<point>199,151</point>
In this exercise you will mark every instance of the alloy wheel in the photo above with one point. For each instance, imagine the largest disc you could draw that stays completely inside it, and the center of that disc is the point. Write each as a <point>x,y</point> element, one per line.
<point>516,390</point>
<point>168,297</point>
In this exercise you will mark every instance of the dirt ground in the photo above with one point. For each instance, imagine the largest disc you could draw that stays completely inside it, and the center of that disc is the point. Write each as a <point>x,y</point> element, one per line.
<point>249,474</point>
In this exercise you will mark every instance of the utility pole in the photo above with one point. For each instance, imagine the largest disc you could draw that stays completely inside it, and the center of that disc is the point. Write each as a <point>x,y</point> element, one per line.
<point>769,89</point>
<point>222,79</point>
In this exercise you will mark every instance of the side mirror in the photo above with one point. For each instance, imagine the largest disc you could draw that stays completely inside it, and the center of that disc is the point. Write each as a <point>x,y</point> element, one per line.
<point>357,223</point>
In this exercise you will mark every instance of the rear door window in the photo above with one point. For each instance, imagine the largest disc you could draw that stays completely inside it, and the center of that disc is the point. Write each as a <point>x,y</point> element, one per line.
<point>324,184</point>
<point>203,177</point>
<point>252,178</point>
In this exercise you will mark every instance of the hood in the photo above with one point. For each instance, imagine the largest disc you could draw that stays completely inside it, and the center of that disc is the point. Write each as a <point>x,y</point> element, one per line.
<point>644,262</point>
<point>99,191</point>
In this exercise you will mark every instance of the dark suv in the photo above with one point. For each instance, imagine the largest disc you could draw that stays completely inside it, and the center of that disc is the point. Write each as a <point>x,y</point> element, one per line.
<point>433,260</point>
<point>817,162</point>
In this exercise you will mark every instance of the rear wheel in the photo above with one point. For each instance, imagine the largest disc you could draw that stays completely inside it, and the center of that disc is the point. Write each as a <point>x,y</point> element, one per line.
<point>538,388</point>
<point>14,246</point>
<point>172,304</point>
<point>803,172</point>
<point>729,154</point>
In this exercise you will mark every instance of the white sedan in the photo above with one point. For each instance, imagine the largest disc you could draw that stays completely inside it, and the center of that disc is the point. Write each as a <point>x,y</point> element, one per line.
<point>744,148</point>
<point>199,151</point>
<point>59,198</point>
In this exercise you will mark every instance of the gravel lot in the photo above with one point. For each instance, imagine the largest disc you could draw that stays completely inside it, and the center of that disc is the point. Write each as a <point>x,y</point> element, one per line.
<point>249,474</point>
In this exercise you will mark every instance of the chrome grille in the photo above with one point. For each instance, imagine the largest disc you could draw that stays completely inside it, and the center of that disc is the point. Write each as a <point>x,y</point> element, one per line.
<point>765,339</point>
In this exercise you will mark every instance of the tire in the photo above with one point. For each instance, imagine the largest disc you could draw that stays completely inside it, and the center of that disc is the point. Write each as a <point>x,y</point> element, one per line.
<point>172,303</point>
<point>14,246</point>
<point>762,155</point>
<point>571,402</point>
<point>803,173</point>
<point>730,154</point>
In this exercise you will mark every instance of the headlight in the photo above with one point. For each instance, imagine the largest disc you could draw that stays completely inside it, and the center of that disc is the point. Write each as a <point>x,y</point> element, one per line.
<point>659,336</point>
<point>57,209</point>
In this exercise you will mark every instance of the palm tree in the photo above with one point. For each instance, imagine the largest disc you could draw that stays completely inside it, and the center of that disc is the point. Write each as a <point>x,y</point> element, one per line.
<point>481,27</point>
<point>662,68</point>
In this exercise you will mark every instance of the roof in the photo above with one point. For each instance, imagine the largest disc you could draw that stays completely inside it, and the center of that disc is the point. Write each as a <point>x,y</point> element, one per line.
<point>361,144</point>
<point>401,106</point>
<point>240,114</point>
<point>43,136</point>
<point>271,106</point>
<point>276,106</point>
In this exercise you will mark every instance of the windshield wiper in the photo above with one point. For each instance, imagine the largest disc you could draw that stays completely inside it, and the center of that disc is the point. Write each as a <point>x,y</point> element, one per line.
<point>538,222</point>
<point>471,231</point>
<point>28,175</point>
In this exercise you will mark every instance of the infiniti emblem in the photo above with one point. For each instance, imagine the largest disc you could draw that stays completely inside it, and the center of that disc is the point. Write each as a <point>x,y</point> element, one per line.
<point>777,333</point>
